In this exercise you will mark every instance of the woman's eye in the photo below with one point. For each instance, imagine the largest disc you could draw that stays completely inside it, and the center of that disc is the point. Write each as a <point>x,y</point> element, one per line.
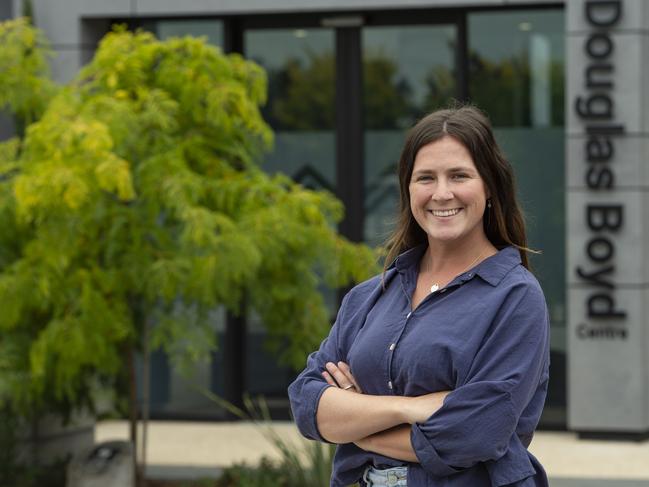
<point>460,176</point>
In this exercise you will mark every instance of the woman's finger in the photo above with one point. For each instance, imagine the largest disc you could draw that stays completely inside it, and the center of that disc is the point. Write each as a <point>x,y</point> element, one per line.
<point>348,373</point>
<point>329,379</point>
<point>339,376</point>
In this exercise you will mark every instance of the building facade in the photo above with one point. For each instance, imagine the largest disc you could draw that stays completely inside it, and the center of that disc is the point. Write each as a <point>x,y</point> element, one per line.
<point>563,84</point>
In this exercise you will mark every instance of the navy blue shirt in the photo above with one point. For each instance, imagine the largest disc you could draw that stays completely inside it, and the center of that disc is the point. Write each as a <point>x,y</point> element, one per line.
<point>484,336</point>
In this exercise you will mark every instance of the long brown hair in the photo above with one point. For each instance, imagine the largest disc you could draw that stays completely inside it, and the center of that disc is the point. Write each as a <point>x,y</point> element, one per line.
<point>503,222</point>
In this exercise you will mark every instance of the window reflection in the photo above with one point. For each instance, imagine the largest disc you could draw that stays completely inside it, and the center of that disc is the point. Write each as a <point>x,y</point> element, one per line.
<point>516,66</point>
<point>300,65</point>
<point>408,71</point>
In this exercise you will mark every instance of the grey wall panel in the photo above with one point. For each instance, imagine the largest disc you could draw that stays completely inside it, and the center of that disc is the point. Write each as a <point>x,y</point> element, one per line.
<point>634,15</point>
<point>646,347</point>
<point>606,382</point>
<point>644,80</point>
<point>629,167</point>
<point>66,64</point>
<point>627,58</point>
<point>187,7</point>
<point>631,267</point>
<point>61,20</point>
<point>608,386</point>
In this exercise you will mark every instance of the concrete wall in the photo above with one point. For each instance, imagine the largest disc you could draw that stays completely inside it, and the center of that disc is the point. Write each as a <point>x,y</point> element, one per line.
<point>607,204</point>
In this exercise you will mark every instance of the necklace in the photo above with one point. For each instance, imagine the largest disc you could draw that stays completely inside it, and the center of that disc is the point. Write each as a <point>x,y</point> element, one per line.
<point>435,285</point>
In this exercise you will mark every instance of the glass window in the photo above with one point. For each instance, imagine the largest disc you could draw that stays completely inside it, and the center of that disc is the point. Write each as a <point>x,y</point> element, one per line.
<point>408,71</point>
<point>516,74</point>
<point>301,86</point>
<point>516,66</point>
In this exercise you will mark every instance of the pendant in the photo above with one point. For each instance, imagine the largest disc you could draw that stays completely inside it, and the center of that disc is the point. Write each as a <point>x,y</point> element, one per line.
<point>434,288</point>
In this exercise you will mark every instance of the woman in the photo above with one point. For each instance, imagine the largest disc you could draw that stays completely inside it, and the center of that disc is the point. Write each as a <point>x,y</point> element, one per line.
<point>435,373</point>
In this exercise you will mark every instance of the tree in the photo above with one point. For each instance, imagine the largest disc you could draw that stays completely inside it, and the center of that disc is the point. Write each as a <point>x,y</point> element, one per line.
<point>136,205</point>
<point>26,89</point>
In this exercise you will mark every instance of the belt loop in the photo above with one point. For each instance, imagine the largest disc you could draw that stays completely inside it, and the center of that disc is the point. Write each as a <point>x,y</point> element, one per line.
<point>368,482</point>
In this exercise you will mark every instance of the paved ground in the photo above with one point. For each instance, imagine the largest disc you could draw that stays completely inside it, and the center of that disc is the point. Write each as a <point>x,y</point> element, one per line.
<point>193,449</point>
<point>556,482</point>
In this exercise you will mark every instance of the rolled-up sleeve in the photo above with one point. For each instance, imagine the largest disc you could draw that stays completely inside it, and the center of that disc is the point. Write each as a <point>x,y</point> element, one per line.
<point>306,390</point>
<point>479,417</point>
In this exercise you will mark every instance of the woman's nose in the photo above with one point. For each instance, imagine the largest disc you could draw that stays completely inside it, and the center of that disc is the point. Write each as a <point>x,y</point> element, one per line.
<point>442,193</point>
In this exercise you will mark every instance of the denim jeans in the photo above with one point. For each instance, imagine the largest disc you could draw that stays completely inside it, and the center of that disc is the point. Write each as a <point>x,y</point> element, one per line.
<point>389,477</point>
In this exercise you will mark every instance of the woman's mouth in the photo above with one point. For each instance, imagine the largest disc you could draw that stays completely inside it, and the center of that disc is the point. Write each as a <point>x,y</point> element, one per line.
<point>446,213</point>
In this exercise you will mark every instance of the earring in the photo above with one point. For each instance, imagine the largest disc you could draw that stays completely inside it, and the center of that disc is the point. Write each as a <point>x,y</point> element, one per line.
<point>489,203</point>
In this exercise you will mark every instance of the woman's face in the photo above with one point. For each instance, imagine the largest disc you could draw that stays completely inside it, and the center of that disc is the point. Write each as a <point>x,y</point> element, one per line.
<point>447,194</point>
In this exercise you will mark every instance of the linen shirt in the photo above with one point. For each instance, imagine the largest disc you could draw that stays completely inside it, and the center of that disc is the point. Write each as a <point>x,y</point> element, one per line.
<point>484,336</point>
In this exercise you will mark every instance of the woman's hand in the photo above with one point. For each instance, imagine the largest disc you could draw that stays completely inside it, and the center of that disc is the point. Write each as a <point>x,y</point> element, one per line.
<point>393,442</point>
<point>345,418</point>
<point>340,375</point>
<point>418,409</point>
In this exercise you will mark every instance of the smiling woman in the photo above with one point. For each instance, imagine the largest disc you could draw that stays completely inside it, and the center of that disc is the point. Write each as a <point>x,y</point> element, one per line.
<point>447,195</point>
<point>436,371</point>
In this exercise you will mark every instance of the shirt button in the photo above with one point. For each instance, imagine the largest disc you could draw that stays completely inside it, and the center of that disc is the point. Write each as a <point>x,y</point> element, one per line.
<point>393,346</point>
<point>390,384</point>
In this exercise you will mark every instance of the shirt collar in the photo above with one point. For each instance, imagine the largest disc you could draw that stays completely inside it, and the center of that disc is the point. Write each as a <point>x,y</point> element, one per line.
<point>494,268</point>
<point>491,270</point>
<point>409,258</point>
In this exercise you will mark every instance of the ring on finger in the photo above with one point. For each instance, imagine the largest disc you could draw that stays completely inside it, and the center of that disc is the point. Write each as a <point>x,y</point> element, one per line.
<point>348,387</point>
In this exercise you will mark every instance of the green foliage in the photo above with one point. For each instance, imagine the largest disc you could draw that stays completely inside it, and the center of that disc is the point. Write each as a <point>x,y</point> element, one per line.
<point>8,442</point>
<point>14,475</point>
<point>23,68</point>
<point>266,474</point>
<point>302,463</point>
<point>136,200</point>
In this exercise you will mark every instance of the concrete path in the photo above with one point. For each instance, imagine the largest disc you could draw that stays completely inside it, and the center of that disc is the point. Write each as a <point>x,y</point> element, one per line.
<point>195,449</point>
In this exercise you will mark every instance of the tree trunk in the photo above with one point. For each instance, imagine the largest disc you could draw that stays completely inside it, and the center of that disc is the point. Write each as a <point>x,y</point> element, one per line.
<point>146,385</point>
<point>234,361</point>
<point>132,396</point>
